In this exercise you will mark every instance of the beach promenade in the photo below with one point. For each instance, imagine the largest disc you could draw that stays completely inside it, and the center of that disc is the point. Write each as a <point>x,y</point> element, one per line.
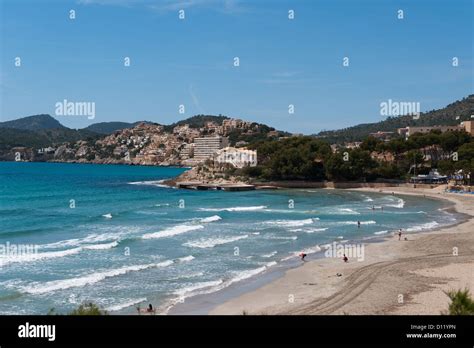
<point>396,276</point>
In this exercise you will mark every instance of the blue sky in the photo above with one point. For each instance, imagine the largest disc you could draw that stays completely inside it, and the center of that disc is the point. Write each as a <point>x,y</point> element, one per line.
<point>190,61</point>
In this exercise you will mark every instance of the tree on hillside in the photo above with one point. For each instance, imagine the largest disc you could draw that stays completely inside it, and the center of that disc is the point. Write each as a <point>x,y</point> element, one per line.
<point>350,165</point>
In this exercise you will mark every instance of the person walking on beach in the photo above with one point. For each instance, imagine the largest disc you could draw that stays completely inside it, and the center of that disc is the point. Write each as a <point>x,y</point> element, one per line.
<point>400,234</point>
<point>345,259</point>
<point>302,256</point>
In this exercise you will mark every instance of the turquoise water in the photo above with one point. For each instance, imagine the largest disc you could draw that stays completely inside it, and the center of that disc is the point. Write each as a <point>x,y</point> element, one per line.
<point>116,236</point>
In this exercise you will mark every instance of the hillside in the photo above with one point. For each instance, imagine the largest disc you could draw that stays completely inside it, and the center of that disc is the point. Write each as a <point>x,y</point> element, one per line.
<point>10,137</point>
<point>33,123</point>
<point>446,116</point>
<point>109,127</point>
<point>197,121</point>
<point>122,142</point>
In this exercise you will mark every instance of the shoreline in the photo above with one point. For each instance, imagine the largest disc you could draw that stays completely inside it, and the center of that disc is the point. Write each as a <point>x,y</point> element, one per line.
<point>314,283</point>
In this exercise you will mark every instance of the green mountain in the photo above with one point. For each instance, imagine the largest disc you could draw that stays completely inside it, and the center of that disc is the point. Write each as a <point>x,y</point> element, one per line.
<point>39,131</point>
<point>33,123</point>
<point>10,137</point>
<point>452,114</point>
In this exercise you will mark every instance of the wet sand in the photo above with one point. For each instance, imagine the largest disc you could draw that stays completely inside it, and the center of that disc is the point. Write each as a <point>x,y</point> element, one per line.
<point>395,277</point>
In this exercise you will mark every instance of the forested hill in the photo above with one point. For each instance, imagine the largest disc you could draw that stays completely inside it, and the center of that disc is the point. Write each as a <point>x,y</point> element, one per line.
<point>197,121</point>
<point>109,127</point>
<point>452,114</point>
<point>33,123</point>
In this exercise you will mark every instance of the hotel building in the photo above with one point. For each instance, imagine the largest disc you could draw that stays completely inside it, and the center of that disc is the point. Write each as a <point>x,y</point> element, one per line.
<point>206,147</point>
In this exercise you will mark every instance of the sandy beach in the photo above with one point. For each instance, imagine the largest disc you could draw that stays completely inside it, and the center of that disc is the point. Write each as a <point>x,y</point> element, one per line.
<point>395,276</point>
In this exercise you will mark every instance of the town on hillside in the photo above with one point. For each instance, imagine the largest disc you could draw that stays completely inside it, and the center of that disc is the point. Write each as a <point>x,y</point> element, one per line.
<point>437,147</point>
<point>151,144</point>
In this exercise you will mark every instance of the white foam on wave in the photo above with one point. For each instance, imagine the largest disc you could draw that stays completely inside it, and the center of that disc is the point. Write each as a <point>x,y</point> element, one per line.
<point>291,223</point>
<point>187,276</point>
<point>104,246</point>
<point>339,211</point>
<point>347,211</point>
<point>157,183</point>
<point>4,260</point>
<point>242,275</point>
<point>212,242</point>
<point>270,254</point>
<point>172,231</point>
<point>215,285</point>
<point>367,199</point>
<point>191,290</point>
<point>62,243</point>
<point>260,207</point>
<point>290,211</point>
<point>381,232</point>
<point>312,250</point>
<point>370,222</point>
<point>406,212</point>
<point>313,230</point>
<point>92,238</point>
<point>292,256</point>
<point>271,264</point>
<point>127,303</point>
<point>425,226</point>
<point>211,218</point>
<point>32,257</point>
<point>400,204</point>
<point>56,285</point>
<point>309,250</point>
<point>107,216</point>
<point>186,258</point>
<point>283,237</point>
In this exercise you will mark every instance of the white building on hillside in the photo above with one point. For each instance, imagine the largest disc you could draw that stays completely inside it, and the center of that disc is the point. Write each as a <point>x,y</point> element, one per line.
<point>204,148</point>
<point>239,158</point>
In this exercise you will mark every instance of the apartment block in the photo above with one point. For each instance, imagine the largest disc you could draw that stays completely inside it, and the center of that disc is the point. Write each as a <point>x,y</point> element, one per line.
<point>208,146</point>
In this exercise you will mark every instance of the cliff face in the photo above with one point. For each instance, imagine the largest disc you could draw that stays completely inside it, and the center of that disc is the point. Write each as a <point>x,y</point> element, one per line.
<point>210,173</point>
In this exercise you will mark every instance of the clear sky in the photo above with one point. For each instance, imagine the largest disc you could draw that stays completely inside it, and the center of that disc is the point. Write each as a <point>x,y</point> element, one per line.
<point>191,61</point>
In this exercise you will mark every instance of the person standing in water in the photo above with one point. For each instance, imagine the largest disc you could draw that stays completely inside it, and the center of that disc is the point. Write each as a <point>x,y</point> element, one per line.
<point>358,224</point>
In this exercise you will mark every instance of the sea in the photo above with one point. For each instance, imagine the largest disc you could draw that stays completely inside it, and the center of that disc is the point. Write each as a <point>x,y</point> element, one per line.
<point>117,236</point>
